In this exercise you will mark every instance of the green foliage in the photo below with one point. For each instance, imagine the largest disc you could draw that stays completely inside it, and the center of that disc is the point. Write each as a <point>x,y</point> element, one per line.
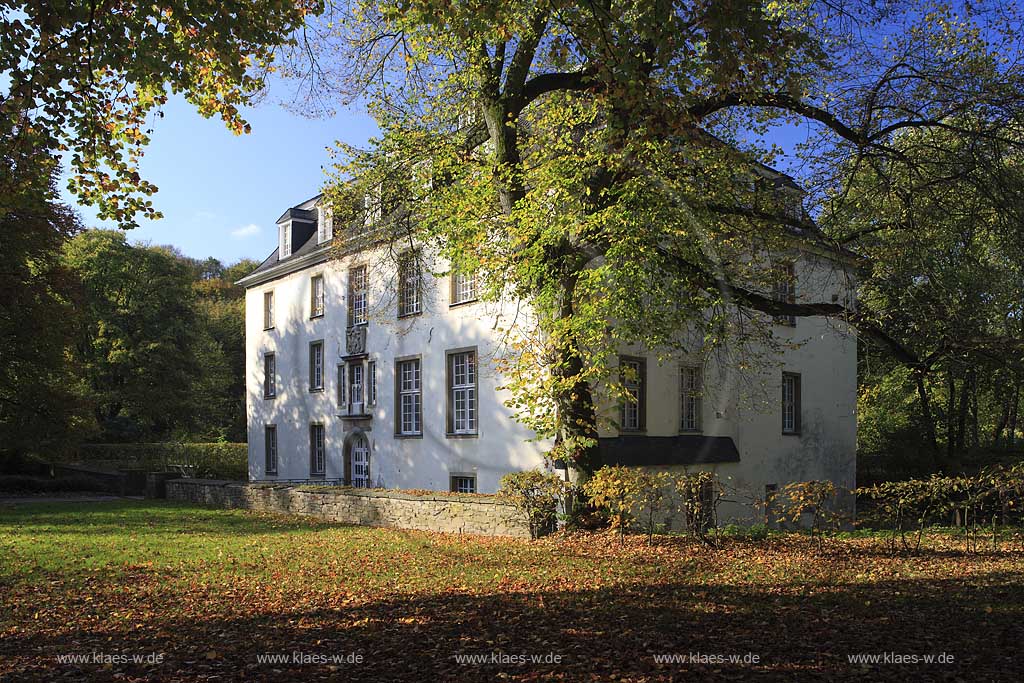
<point>816,498</point>
<point>200,460</point>
<point>44,403</point>
<point>536,494</point>
<point>85,80</point>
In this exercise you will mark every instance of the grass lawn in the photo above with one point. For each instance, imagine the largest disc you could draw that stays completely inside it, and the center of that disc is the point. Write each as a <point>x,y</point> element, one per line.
<point>208,594</point>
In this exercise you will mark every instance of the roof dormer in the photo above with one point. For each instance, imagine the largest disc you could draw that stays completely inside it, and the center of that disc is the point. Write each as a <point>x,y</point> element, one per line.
<point>294,229</point>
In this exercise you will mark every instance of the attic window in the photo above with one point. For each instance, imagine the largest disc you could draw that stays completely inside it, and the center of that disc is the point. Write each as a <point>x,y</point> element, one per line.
<point>324,225</point>
<point>285,240</point>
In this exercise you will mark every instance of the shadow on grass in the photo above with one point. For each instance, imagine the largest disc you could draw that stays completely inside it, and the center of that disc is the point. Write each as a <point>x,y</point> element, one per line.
<point>596,634</point>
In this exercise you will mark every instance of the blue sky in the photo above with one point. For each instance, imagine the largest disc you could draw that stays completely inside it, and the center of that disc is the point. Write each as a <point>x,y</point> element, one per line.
<point>220,193</point>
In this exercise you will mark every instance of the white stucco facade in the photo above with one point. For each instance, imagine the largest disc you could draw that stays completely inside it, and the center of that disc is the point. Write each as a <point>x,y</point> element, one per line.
<point>743,404</point>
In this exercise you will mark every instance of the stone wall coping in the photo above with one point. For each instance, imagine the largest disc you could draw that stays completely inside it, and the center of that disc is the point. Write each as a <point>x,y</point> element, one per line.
<point>473,499</point>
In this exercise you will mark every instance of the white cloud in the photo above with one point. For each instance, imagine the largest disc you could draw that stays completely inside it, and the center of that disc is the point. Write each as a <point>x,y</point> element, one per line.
<point>246,231</point>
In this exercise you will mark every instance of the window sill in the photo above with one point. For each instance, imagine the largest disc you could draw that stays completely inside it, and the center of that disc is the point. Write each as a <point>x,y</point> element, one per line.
<point>460,304</point>
<point>631,432</point>
<point>403,316</point>
<point>267,329</point>
<point>462,435</point>
<point>359,324</point>
<point>409,436</point>
<point>318,315</point>
<point>270,474</point>
<point>270,397</point>
<point>317,391</point>
<point>317,475</point>
<point>791,433</point>
<point>696,432</point>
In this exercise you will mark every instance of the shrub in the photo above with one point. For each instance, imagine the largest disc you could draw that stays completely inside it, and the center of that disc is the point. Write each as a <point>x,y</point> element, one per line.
<point>699,496</point>
<point>536,494</point>
<point>816,498</point>
<point>20,483</point>
<point>629,495</point>
<point>913,503</point>
<point>201,460</point>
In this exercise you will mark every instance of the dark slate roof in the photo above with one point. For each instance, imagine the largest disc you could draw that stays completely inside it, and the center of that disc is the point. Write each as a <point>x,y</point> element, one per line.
<point>684,449</point>
<point>295,214</point>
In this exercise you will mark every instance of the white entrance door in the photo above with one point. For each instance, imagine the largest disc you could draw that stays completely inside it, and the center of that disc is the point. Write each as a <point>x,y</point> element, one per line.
<point>360,462</point>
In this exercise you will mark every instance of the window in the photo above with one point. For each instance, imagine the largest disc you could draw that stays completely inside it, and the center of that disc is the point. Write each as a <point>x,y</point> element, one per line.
<point>790,403</point>
<point>285,246</point>
<point>325,225</point>
<point>341,386</point>
<point>317,451</point>
<point>316,366</point>
<point>463,288</point>
<point>462,392</point>
<point>316,290</point>
<point>371,384</point>
<point>408,284</point>
<point>269,376</point>
<point>634,380</point>
<point>463,483</point>
<point>355,393</point>
<point>410,413</point>
<point>268,309</point>
<point>785,291</point>
<point>270,449</point>
<point>690,381</point>
<point>357,296</point>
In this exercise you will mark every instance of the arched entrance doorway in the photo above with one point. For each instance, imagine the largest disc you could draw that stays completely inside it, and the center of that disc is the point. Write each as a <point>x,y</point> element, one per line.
<point>357,460</point>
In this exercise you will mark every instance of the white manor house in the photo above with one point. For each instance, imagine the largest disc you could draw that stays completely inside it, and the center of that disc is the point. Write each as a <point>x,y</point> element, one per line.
<point>362,371</point>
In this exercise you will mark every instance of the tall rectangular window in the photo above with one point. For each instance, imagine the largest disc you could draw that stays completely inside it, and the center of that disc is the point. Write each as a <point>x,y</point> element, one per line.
<point>690,382</point>
<point>316,366</point>
<point>357,300</point>
<point>634,380</point>
<point>790,403</point>
<point>316,292</point>
<point>785,291</point>
<point>371,384</point>
<point>268,309</point>
<point>410,409</point>
<point>317,451</point>
<point>462,393</point>
<point>355,393</point>
<point>342,393</point>
<point>269,376</point>
<point>409,284</point>
<point>270,449</point>
<point>463,288</point>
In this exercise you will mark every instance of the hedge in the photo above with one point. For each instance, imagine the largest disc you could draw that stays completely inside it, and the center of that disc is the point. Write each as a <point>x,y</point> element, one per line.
<point>200,460</point>
<point>21,483</point>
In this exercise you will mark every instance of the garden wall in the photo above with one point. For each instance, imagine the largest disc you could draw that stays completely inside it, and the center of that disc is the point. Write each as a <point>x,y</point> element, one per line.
<point>427,512</point>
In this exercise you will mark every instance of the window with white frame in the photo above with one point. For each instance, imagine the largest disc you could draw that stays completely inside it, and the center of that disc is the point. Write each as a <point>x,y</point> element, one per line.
<point>409,284</point>
<point>355,388</point>
<point>790,403</point>
<point>324,225</point>
<point>410,411</point>
<point>270,449</point>
<point>785,291</point>
<point>633,381</point>
<point>285,246</point>
<point>268,309</point>
<point>316,366</point>
<point>357,295</point>
<point>269,375</point>
<point>317,451</point>
<point>316,292</point>
<point>371,383</point>
<point>462,393</point>
<point>463,288</point>
<point>690,381</point>
<point>463,483</point>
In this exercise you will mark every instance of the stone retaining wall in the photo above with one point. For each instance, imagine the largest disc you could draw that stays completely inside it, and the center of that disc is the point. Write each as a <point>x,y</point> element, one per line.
<point>434,512</point>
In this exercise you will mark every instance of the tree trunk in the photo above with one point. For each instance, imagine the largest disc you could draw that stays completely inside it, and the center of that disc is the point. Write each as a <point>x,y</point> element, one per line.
<point>1011,436</point>
<point>926,417</point>
<point>950,415</point>
<point>961,416</point>
<point>975,440</point>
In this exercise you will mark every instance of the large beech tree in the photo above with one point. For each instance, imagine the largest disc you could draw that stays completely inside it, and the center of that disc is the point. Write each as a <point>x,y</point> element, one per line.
<point>603,160</point>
